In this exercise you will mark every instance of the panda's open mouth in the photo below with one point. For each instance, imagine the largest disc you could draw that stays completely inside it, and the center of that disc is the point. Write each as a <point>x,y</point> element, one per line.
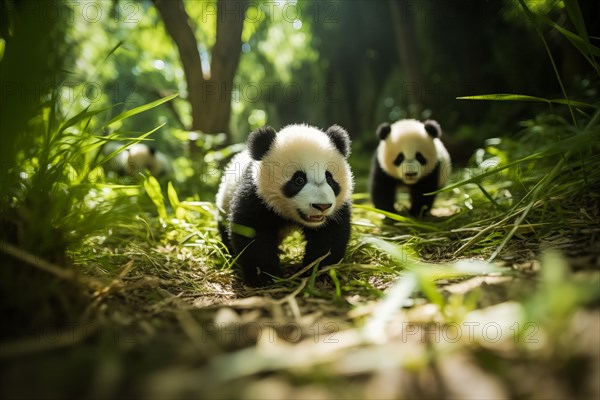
<point>315,218</point>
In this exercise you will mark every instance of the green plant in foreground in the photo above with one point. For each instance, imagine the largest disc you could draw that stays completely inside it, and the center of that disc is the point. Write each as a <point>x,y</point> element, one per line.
<point>53,199</point>
<point>58,196</point>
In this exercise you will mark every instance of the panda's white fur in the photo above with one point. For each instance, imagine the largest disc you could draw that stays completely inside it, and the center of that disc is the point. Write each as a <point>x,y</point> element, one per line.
<point>410,154</point>
<point>295,178</point>
<point>408,136</point>
<point>231,178</point>
<point>142,156</point>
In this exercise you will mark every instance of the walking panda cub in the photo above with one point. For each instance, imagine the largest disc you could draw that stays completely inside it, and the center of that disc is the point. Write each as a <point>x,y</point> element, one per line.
<point>410,153</point>
<point>298,177</point>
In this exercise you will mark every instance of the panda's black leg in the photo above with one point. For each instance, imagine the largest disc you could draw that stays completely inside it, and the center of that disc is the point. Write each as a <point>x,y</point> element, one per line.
<point>383,188</point>
<point>332,238</point>
<point>225,236</point>
<point>257,256</point>
<point>420,205</point>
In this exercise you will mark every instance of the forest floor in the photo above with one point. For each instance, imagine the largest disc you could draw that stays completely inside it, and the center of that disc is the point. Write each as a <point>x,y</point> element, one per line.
<point>426,319</point>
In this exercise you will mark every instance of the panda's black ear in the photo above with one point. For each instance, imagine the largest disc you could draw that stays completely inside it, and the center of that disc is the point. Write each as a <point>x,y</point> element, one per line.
<point>259,142</point>
<point>383,130</point>
<point>433,128</point>
<point>152,150</point>
<point>340,139</point>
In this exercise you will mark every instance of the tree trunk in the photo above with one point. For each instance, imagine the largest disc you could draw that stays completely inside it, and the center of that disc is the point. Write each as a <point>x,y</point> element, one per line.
<point>225,60</point>
<point>210,98</point>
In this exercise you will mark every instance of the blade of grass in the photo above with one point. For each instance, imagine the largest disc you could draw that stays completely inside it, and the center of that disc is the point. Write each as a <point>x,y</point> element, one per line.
<point>522,97</point>
<point>511,233</point>
<point>172,194</point>
<point>399,218</point>
<point>489,172</point>
<point>336,282</point>
<point>94,75</point>
<point>395,297</point>
<point>582,45</point>
<point>574,11</point>
<point>131,142</point>
<point>86,113</point>
<point>154,192</point>
<point>488,196</point>
<point>140,109</point>
<point>532,18</point>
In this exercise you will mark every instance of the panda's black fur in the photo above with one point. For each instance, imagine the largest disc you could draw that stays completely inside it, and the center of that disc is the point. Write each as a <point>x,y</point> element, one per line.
<point>409,154</point>
<point>259,212</point>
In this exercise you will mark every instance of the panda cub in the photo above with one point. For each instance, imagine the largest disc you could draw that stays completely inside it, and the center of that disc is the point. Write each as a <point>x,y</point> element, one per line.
<point>411,154</point>
<point>298,177</point>
<point>135,159</point>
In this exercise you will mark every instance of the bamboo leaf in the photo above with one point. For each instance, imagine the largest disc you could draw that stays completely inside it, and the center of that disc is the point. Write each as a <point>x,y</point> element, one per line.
<point>153,190</point>
<point>394,251</point>
<point>336,283</point>
<point>399,218</point>
<point>172,193</point>
<point>574,11</point>
<point>131,142</point>
<point>80,117</point>
<point>140,109</point>
<point>522,97</point>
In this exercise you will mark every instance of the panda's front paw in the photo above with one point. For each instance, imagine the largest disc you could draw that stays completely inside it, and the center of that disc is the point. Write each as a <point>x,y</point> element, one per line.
<point>255,277</point>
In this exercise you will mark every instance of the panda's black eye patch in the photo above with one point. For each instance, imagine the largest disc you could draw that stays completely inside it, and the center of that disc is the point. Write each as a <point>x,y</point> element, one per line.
<point>328,177</point>
<point>332,183</point>
<point>422,160</point>
<point>295,184</point>
<point>399,159</point>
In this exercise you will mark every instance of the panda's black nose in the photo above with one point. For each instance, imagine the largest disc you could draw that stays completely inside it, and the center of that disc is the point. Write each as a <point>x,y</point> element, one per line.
<point>410,174</point>
<point>321,206</point>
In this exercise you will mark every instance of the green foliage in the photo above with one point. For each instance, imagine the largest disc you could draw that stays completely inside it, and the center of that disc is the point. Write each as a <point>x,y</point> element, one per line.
<point>58,196</point>
<point>54,196</point>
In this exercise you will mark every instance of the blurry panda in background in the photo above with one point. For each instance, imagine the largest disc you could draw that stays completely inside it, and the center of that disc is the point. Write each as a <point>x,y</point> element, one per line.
<point>410,154</point>
<point>135,159</point>
<point>298,177</point>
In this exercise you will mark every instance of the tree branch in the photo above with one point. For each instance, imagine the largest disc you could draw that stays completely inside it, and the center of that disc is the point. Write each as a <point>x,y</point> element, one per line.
<point>177,25</point>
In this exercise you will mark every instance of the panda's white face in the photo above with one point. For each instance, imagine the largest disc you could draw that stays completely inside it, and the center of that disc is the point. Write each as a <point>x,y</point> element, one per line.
<point>139,158</point>
<point>303,177</point>
<point>408,153</point>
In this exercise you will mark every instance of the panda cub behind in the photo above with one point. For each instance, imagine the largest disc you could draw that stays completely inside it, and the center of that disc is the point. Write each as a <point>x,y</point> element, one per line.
<point>298,177</point>
<point>136,159</point>
<point>411,154</point>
